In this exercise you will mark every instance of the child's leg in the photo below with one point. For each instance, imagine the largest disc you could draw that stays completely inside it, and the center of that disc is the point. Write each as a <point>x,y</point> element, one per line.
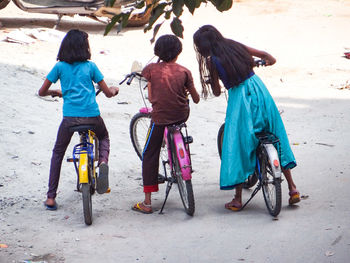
<point>293,192</point>
<point>62,141</point>
<point>236,202</point>
<point>103,138</point>
<point>150,166</point>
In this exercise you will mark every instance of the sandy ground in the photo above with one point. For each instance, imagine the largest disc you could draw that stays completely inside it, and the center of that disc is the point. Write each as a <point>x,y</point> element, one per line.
<point>308,82</point>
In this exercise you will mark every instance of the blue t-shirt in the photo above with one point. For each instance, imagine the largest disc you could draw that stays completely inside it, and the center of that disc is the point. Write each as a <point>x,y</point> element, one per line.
<point>78,92</point>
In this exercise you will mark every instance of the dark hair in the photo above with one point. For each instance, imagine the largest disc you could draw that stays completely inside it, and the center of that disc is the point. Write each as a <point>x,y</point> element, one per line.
<point>167,47</point>
<point>74,47</point>
<point>233,56</point>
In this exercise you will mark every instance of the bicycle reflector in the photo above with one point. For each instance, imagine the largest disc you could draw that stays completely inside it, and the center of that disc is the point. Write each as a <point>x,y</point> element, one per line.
<point>276,163</point>
<point>181,152</point>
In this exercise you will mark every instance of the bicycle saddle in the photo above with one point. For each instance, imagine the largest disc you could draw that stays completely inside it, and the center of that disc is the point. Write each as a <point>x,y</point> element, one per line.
<point>82,128</point>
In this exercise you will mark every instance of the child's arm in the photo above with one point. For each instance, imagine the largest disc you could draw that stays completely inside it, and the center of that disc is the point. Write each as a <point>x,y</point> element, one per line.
<point>270,60</point>
<point>214,79</point>
<point>108,91</point>
<point>44,90</point>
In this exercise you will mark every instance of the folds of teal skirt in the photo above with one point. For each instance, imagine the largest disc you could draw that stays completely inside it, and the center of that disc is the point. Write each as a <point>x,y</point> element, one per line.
<point>250,109</point>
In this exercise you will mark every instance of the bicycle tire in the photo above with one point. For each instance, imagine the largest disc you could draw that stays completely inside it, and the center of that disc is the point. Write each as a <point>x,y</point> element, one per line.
<point>271,185</point>
<point>139,125</point>
<point>252,179</point>
<point>184,186</point>
<point>87,203</point>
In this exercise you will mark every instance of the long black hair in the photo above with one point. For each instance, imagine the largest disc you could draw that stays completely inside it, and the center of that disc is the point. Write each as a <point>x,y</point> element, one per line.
<point>167,47</point>
<point>74,47</point>
<point>233,56</point>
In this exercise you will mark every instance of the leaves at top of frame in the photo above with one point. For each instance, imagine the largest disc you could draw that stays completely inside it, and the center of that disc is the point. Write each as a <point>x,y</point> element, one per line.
<point>222,5</point>
<point>155,31</point>
<point>111,24</point>
<point>191,5</point>
<point>176,27</point>
<point>178,7</point>
<point>157,12</point>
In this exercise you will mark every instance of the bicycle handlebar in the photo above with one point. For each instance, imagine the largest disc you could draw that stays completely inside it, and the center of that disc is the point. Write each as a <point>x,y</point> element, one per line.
<point>259,62</point>
<point>130,77</point>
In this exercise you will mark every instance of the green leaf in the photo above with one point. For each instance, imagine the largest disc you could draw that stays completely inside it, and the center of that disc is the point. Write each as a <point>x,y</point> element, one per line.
<point>225,5</point>
<point>155,31</point>
<point>178,7</point>
<point>157,12</point>
<point>191,5</point>
<point>111,24</point>
<point>167,14</point>
<point>125,19</point>
<point>176,27</point>
<point>222,5</point>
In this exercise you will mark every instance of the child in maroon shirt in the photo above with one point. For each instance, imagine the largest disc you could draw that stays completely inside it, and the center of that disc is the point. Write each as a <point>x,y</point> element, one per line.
<point>168,87</point>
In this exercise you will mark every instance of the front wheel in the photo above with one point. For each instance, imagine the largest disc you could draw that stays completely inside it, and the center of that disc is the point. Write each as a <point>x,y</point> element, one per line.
<point>271,185</point>
<point>139,126</point>
<point>252,179</point>
<point>87,203</point>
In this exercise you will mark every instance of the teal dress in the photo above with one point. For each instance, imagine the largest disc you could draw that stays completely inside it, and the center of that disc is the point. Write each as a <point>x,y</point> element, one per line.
<point>250,109</point>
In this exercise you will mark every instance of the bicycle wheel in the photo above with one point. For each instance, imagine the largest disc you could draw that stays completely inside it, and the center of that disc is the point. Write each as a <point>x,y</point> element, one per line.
<point>252,179</point>
<point>271,185</point>
<point>87,203</point>
<point>138,131</point>
<point>185,187</point>
<point>220,138</point>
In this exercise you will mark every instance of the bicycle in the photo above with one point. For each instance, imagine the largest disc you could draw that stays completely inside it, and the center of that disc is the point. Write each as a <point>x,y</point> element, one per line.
<point>85,154</point>
<point>267,171</point>
<point>175,153</point>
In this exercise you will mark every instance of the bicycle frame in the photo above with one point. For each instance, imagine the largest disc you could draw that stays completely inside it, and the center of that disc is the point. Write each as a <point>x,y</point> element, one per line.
<point>81,154</point>
<point>182,150</point>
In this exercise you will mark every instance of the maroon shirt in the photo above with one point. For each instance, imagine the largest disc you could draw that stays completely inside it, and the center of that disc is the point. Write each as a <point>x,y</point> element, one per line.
<point>168,92</point>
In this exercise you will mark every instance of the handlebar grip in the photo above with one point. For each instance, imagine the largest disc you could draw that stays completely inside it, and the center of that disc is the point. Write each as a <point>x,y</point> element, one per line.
<point>130,79</point>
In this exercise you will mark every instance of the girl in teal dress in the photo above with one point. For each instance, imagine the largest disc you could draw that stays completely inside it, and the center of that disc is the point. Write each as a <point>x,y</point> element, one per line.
<point>250,109</point>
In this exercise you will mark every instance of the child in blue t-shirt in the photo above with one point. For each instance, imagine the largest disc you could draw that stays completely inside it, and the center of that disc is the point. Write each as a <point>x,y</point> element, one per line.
<point>77,74</point>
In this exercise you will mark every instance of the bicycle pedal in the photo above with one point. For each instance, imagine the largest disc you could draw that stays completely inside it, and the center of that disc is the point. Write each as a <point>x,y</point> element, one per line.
<point>70,160</point>
<point>161,179</point>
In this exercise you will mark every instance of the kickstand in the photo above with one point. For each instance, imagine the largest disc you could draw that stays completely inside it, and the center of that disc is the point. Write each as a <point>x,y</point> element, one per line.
<point>253,194</point>
<point>168,187</point>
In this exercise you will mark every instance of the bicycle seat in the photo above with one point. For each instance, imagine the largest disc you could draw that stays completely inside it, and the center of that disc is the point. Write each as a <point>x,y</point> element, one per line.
<point>82,128</point>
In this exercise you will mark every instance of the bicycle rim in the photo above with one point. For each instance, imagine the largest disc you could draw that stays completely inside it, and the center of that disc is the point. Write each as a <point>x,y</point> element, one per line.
<point>87,203</point>
<point>271,186</point>
<point>220,138</point>
<point>185,190</point>
<point>138,131</point>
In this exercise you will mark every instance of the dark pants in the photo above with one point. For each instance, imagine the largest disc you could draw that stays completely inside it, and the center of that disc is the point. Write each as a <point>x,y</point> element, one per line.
<point>150,157</point>
<point>62,141</point>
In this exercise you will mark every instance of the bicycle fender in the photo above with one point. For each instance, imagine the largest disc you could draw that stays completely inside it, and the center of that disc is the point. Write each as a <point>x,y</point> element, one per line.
<point>273,156</point>
<point>83,168</point>
<point>183,156</point>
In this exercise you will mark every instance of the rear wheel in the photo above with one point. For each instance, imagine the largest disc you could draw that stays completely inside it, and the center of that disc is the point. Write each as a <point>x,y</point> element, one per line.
<point>252,179</point>
<point>271,185</point>
<point>87,203</point>
<point>4,3</point>
<point>185,188</point>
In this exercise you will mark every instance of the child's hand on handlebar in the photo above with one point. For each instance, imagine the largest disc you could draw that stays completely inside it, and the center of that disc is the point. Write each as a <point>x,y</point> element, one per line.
<point>114,90</point>
<point>56,93</point>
